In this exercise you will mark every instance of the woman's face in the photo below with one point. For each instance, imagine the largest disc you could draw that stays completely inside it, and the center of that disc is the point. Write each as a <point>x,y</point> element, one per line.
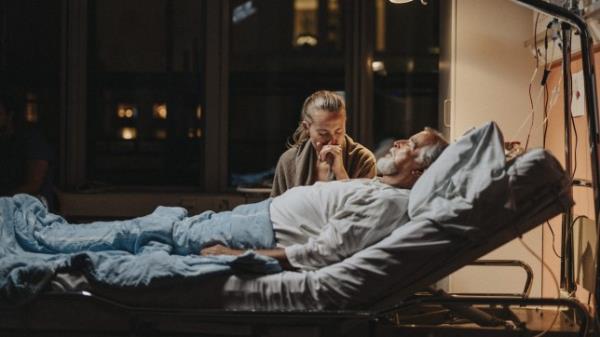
<point>326,128</point>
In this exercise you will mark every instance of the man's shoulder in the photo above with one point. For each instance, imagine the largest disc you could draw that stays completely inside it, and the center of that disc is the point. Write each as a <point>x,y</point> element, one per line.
<point>386,189</point>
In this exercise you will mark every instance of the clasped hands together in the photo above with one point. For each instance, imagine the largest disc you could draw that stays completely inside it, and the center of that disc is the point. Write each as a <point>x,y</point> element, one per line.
<point>331,156</point>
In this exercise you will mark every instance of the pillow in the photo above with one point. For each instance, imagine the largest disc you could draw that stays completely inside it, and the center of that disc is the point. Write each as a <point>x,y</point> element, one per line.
<point>531,176</point>
<point>470,172</point>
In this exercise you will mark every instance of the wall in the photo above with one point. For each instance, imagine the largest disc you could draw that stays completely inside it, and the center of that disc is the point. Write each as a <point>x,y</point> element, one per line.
<point>492,70</point>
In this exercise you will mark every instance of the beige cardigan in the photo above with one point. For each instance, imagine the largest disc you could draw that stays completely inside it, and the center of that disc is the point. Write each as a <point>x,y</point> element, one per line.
<point>296,166</point>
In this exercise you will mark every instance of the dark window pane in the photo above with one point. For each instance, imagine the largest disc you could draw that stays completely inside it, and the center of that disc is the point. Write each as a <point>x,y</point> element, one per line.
<point>30,54</point>
<point>405,70</point>
<point>281,52</point>
<point>145,118</point>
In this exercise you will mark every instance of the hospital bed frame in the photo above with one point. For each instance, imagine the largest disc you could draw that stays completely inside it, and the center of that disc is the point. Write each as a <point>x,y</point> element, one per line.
<point>140,321</point>
<point>69,313</point>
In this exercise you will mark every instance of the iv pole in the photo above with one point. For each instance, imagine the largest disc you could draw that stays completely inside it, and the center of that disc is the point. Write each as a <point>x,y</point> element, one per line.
<point>591,103</point>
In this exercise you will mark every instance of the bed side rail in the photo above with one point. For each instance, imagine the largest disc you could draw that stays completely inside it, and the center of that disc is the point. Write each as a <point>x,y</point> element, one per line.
<point>504,263</point>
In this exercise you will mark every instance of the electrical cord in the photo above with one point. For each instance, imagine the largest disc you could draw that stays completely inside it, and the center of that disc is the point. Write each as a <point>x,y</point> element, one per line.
<point>555,281</point>
<point>547,71</point>
<point>547,101</point>
<point>545,122</point>
<point>571,116</point>
<point>535,49</point>
<point>532,110</point>
<point>553,240</point>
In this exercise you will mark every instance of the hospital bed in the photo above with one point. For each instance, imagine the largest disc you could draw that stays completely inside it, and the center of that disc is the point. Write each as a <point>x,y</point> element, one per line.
<point>469,202</point>
<point>370,292</point>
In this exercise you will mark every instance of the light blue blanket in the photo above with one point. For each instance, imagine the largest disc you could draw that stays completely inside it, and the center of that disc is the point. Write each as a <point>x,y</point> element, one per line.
<point>161,246</point>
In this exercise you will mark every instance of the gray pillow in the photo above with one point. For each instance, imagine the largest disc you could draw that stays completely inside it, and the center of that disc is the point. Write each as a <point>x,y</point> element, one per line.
<point>533,174</point>
<point>469,173</point>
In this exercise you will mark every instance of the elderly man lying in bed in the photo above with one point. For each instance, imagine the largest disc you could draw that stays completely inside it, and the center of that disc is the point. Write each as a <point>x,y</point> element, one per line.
<point>324,223</point>
<point>306,228</point>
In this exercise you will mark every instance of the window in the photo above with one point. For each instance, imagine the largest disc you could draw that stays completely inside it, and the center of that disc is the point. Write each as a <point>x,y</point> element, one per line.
<point>161,93</point>
<point>281,51</point>
<point>30,64</point>
<point>405,68</point>
<point>145,92</point>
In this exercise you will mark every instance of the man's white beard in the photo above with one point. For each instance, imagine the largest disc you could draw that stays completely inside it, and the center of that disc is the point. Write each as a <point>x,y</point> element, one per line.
<point>386,166</point>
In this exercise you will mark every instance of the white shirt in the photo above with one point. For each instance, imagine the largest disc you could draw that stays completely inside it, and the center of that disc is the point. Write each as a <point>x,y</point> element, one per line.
<point>324,223</point>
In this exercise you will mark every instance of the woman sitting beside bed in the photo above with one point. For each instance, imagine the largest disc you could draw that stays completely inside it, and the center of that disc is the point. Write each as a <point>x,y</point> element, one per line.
<point>320,149</point>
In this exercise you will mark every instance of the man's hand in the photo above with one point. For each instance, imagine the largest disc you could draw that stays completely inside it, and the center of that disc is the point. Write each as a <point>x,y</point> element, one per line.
<point>276,253</point>
<point>219,249</point>
<point>333,155</point>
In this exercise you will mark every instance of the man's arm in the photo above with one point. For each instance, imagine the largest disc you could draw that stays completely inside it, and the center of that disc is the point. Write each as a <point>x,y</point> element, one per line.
<point>276,253</point>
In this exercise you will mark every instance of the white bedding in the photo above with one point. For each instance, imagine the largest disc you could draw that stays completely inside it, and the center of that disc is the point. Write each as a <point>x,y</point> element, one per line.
<point>466,204</point>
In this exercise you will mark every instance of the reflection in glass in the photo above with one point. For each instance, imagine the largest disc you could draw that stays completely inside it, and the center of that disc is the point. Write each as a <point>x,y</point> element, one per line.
<point>30,64</point>
<point>241,12</point>
<point>199,112</point>
<point>126,111</point>
<point>194,133</point>
<point>306,24</point>
<point>271,76</point>
<point>160,134</point>
<point>145,63</point>
<point>31,108</point>
<point>159,111</point>
<point>128,133</point>
<point>406,50</point>
<point>378,67</point>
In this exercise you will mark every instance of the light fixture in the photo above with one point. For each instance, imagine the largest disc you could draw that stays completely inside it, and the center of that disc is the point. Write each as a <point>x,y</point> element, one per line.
<point>306,40</point>
<point>128,133</point>
<point>378,67</point>
<point>126,111</point>
<point>423,2</point>
<point>194,133</point>
<point>159,110</point>
<point>199,112</point>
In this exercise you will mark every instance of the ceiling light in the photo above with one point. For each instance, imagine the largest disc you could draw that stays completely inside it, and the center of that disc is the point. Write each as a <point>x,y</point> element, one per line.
<point>423,2</point>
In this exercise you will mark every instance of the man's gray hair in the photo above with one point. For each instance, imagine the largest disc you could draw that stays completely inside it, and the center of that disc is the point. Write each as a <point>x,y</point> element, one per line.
<point>429,153</point>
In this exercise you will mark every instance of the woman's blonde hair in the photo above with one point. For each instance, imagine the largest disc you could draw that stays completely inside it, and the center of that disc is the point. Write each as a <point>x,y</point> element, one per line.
<point>320,100</point>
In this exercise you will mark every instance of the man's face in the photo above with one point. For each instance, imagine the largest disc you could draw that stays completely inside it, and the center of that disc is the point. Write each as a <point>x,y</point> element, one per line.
<point>404,155</point>
<point>326,128</point>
